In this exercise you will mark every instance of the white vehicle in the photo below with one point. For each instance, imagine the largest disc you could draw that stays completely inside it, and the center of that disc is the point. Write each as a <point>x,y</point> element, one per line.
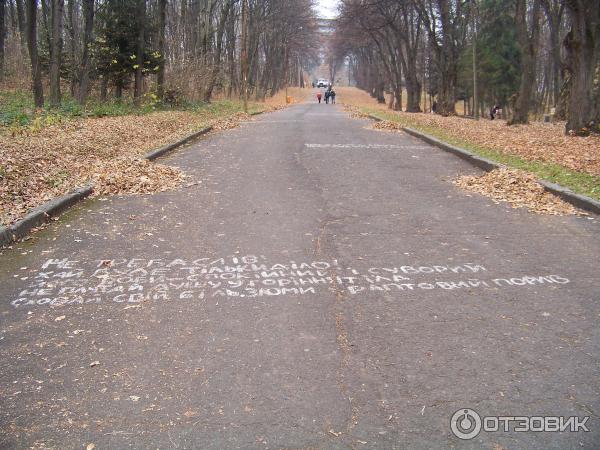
<point>321,83</point>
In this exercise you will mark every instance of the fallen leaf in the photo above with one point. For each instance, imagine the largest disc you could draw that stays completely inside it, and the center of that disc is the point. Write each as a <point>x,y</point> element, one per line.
<point>518,188</point>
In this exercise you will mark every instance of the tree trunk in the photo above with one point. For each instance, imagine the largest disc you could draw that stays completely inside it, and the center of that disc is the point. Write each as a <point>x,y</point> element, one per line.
<point>22,28</point>
<point>162,20</point>
<point>72,46</point>
<point>554,10</point>
<point>84,70</point>
<point>119,89</point>
<point>528,42</point>
<point>231,55</point>
<point>141,18</point>
<point>56,51</point>
<point>563,99</point>
<point>446,56</point>
<point>47,26</point>
<point>36,70</point>
<point>582,44</point>
<point>397,98</point>
<point>413,90</point>
<point>379,91</point>
<point>216,63</point>
<point>556,72</point>
<point>2,35</point>
<point>446,97</point>
<point>103,88</point>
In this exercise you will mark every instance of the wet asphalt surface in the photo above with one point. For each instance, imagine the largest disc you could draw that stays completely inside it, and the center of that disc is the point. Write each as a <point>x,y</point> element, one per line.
<point>314,284</point>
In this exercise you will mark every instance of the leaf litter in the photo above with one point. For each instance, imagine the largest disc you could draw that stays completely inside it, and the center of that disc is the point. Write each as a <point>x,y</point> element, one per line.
<point>536,141</point>
<point>518,188</point>
<point>37,166</point>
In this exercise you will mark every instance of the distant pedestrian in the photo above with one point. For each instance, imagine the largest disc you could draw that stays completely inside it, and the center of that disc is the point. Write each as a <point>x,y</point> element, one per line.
<point>332,96</point>
<point>319,96</point>
<point>327,93</point>
<point>494,111</point>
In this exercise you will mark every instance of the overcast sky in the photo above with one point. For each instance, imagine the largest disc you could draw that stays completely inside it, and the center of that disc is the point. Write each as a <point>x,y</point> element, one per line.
<point>327,8</point>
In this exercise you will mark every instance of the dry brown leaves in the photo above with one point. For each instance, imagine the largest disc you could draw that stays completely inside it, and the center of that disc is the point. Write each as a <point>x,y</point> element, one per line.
<point>37,167</point>
<point>518,188</point>
<point>385,125</point>
<point>230,122</point>
<point>355,112</point>
<point>537,141</point>
<point>135,176</point>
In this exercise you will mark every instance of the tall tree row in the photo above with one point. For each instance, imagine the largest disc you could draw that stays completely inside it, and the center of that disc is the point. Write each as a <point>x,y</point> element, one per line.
<point>174,48</point>
<point>582,44</point>
<point>530,57</point>
<point>2,37</point>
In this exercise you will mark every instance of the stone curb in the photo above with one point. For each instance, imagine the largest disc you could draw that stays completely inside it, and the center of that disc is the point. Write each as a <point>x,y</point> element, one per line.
<point>482,163</point>
<point>42,214</point>
<point>152,155</point>
<point>578,200</point>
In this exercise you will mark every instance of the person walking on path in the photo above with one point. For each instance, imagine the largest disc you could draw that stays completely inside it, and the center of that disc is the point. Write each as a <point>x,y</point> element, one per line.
<point>332,96</point>
<point>327,92</point>
<point>319,96</point>
<point>494,111</point>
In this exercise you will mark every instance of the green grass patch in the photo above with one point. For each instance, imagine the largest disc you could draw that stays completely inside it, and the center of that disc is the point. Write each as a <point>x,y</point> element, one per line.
<point>17,109</point>
<point>580,182</point>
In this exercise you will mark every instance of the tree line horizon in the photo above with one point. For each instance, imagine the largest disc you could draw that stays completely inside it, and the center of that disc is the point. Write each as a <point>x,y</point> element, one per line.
<point>526,56</point>
<point>522,55</point>
<point>187,48</point>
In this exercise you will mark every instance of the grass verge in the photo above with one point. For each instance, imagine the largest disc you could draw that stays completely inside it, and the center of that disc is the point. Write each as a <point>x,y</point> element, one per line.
<point>579,182</point>
<point>17,110</point>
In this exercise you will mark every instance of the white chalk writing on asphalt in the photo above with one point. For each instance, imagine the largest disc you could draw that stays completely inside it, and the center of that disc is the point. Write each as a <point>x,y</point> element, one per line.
<point>61,282</point>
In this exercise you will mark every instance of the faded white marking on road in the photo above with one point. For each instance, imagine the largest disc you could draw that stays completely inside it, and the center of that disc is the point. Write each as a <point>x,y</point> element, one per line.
<point>368,146</point>
<point>274,121</point>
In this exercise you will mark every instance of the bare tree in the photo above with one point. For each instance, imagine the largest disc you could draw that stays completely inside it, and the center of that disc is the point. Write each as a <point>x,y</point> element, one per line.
<point>84,69</point>
<point>528,32</point>
<point>139,68</point>
<point>22,27</point>
<point>36,70</point>
<point>582,45</point>
<point>2,38</point>
<point>217,53</point>
<point>56,50</point>
<point>446,22</point>
<point>162,23</point>
<point>554,11</point>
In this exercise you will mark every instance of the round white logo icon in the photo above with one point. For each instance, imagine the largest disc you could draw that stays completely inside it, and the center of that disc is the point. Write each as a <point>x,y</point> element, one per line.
<point>465,424</point>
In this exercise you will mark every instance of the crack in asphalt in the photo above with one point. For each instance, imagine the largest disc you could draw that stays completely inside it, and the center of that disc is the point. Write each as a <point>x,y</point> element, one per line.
<point>342,339</point>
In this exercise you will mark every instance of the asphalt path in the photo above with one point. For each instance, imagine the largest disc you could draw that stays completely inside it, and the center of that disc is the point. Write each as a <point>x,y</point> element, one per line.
<point>313,284</point>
